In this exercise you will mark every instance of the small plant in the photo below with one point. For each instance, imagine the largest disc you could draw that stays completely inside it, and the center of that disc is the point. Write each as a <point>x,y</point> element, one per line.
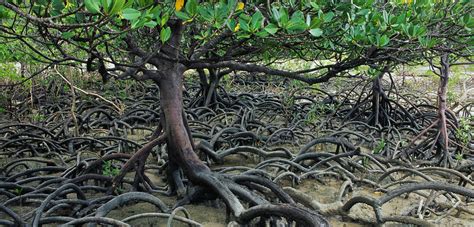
<point>120,190</point>
<point>18,191</point>
<point>227,82</point>
<point>380,146</point>
<point>365,162</point>
<point>108,169</point>
<point>38,117</point>
<point>452,97</point>
<point>66,88</point>
<point>109,94</point>
<point>464,132</point>
<point>312,115</point>
<point>458,156</point>
<point>288,102</point>
<point>122,94</point>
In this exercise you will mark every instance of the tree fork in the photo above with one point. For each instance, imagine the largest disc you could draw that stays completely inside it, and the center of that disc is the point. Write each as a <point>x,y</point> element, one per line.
<point>380,102</point>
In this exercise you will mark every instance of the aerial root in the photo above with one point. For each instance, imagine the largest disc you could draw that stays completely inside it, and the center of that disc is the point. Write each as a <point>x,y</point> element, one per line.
<point>301,216</point>
<point>343,208</point>
<point>140,156</point>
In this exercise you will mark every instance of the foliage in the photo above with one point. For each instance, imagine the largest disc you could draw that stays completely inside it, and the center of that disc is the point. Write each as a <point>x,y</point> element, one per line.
<point>11,51</point>
<point>228,82</point>
<point>380,146</point>
<point>338,35</point>
<point>108,169</point>
<point>18,190</point>
<point>7,71</point>
<point>37,117</point>
<point>452,96</point>
<point>458,156</point>
<point>312,115</point>
<point>316,110</point>
<point>465,132</point>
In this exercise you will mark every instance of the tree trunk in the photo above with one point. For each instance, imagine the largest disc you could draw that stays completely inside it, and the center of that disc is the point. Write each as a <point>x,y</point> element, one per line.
<point>181,149</point>
<point>181,153</point>
<point>380,105</point>
<point>179,142</point>
<point>376,90</point>
<point>208,94</point>
<point>442,141</point>
<point>211,96</point>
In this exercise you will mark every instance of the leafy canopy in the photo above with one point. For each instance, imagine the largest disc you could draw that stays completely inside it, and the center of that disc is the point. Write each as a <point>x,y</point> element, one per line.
<point>357,32</point>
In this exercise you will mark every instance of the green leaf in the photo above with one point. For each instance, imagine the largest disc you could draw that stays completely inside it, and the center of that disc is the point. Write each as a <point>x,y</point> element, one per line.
<point>92,6</point>
<point>384,40</point>
<point>316,32</point>
<point>191,7</point>
<point>244,25</point>
<point>156,12</point>
<point>284,17</point>
<point>58,6</point>
<point>67,35</point>
<point>231,24</point>
<point>386,17</point>
<point>296,23</point>
<point>164,19</point>
<point>297,26</point>
<point>262,34</point>
<point>220,13</point>
<point>271,28</point>
<point>468,21</point>
<point>205,13</point>
<point>3,12</point>
<point>139,23</point>
<point>363,12</point>
<point>256,21</point>
<point>143,3</point>
<point>131,14</point>
<point>151,24</point>
<point>314,5</point>
<point>308,20</point>
<point>276,14</point>
<point>372,40</point>
<point>116,6</point>
<point>165,34</point>
<point>420,31</point>
<point>315,22</point>
<point>106,5</point>
<point>128,4</point>
<point>182,15</point>
<point>328,16</point>
<point>297,16</point>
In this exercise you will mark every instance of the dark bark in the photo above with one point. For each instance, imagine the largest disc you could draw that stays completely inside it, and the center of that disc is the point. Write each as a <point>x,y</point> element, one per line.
<point>380,103</point>
<point>436,136</point>
<point>376,98</point>
<point>137,161</point>
<point>209,84</point>
<point>443,139</point>
<point>181,149</point>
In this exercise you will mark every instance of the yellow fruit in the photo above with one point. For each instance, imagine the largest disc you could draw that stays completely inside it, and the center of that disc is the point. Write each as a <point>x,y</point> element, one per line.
<point>237,27</point>
<point>240,6</point>
<point>179,5</point>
